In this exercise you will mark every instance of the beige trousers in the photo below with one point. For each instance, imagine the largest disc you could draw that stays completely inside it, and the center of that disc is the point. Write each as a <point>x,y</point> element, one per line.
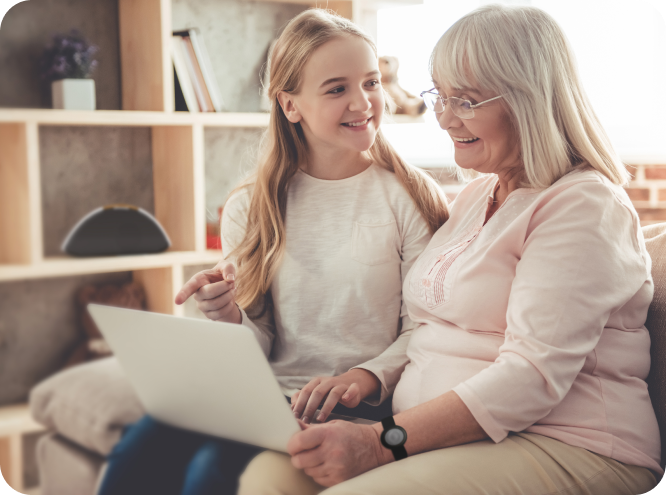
<point>521,464</point>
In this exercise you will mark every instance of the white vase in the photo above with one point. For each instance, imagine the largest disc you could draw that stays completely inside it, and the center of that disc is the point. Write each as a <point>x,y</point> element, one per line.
<point>74,94</point>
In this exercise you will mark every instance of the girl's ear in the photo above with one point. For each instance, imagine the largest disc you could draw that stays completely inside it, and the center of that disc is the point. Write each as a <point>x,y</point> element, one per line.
<point>288,107</point>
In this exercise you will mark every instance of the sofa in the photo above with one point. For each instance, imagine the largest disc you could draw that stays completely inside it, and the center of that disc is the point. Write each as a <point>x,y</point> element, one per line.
<point>86,407</point>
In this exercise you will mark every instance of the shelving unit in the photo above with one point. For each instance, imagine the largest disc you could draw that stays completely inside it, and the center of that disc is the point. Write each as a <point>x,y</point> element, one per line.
<point>178,169</point>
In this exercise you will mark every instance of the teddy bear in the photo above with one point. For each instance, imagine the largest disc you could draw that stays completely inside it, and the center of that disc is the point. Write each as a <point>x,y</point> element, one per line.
<point>401,102</point>
<point>130,295</point>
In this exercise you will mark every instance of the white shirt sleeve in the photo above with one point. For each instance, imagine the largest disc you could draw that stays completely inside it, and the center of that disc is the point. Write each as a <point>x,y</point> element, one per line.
<point>234,223</point>
<point>390,364</point>
<point>580,264</point>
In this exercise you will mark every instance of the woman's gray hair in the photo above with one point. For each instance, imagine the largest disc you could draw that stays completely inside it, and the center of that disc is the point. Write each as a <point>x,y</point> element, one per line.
<point>522,53</point>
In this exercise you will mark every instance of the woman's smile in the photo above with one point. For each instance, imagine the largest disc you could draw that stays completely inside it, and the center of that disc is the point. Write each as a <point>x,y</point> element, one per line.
<point>465,142</point>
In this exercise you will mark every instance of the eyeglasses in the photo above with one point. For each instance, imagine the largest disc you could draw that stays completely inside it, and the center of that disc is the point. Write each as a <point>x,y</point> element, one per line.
<point>460,108</point>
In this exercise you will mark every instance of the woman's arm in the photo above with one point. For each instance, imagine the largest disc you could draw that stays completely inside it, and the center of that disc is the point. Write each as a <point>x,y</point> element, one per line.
<point>581,263</point>
<point>337,451</point>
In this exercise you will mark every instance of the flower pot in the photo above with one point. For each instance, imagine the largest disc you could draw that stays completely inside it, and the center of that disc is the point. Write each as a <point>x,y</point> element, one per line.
<point>74,94</point>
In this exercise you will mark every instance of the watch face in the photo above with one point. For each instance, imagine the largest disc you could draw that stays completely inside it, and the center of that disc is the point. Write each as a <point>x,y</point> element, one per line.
<point>394,436</point>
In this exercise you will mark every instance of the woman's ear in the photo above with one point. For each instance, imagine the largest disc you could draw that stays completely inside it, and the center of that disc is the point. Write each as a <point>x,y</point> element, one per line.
<point>288,107</point>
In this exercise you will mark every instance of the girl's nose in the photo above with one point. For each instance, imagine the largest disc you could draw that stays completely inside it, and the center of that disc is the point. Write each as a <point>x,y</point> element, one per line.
<point>360,102</point>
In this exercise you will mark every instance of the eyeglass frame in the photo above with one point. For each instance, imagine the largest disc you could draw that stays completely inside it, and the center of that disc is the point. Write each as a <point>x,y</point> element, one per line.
<point>472,106</point>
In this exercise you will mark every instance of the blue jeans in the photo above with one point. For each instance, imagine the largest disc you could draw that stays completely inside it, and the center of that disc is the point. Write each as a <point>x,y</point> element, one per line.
<point>154,458</point>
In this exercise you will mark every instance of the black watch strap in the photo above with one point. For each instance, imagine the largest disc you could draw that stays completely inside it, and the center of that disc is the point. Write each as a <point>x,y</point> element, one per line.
<point>399,451</point>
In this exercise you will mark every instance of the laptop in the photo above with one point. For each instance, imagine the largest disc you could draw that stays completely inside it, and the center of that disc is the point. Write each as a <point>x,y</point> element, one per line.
<point>205,376</point>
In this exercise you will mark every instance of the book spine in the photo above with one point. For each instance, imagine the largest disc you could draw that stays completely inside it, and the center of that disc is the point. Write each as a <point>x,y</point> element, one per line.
<point>207,69</point>
<point>178,56</point>
<point>207,103</point>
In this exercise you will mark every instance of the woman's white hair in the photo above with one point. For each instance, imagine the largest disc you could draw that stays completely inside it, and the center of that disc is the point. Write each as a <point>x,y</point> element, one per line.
<point>521,53</point>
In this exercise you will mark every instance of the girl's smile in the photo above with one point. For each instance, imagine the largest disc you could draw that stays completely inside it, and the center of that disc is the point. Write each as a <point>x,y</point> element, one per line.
<point>358,125</point>
<point>339,106</point>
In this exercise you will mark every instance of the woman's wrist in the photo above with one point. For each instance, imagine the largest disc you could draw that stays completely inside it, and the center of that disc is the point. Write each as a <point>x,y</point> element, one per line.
<point>382,454</point>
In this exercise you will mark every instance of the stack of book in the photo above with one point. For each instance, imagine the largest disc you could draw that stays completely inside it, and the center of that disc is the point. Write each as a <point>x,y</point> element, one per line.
<point>195,83</point>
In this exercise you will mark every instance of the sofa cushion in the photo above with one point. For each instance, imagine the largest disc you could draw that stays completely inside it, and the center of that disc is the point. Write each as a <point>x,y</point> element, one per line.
<point>88,404</point>
<point>65,468</point>
<point>655,241</point>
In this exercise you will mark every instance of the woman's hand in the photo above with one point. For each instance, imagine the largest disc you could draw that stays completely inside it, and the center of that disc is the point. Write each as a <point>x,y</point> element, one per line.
<point>214,291</point>
<point>349,389</point>
<point>337,451</point>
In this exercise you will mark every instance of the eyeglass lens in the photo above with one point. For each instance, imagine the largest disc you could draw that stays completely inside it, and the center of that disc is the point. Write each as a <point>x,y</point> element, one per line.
<point>461,108</point>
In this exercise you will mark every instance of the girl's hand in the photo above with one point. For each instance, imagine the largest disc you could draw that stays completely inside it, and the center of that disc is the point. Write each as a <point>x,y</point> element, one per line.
<point>214,291</point>
<point>337,451</point>
<point>348,389</point>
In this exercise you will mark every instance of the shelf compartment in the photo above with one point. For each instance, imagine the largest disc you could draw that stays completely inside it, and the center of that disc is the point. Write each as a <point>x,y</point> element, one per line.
<point>67,266</point>
<point>20,204</point>
<point>177,169</point>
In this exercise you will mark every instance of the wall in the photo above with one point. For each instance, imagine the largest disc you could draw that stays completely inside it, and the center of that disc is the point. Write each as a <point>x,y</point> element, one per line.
<point>648,192</point>
<point>29,26</point>
<point>237,34</point>
<point>39,327</point>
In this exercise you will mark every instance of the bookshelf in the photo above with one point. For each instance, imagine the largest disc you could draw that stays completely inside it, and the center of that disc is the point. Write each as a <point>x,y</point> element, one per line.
<point>178,154</point>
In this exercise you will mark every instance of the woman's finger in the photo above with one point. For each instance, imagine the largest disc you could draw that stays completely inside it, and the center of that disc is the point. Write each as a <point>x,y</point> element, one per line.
<point>221,314</point>
<point>332,399</point>
<point>304,397</point>
<point>294,399</point>
<point>352,397</point>
<point>217,303</point>
<point>316,398</point>
<point>229,272</point>
<point>213,290</point>
<point>199,280</point>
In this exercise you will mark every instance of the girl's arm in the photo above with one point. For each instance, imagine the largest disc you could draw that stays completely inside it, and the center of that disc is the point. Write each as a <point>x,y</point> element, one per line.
<point>214,289</point>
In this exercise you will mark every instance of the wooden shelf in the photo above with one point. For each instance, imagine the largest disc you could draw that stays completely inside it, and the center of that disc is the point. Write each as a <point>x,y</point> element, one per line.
<point>65,266</point>
<point>136,118</point>
<point>130,118</point>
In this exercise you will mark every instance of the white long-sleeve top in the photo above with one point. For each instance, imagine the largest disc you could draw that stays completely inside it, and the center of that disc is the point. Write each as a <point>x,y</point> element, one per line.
<point>337,296</point>
<point>536,319</point>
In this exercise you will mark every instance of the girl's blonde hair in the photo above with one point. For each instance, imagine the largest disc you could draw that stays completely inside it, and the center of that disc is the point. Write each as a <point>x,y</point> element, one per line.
<point>522,53</point>
<point>284,148</point>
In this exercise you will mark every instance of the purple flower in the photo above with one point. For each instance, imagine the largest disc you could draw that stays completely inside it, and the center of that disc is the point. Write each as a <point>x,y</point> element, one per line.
<point>68,56</point>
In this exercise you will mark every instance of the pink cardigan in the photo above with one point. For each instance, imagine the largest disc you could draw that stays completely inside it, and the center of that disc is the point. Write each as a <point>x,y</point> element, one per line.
<point>537,319</point>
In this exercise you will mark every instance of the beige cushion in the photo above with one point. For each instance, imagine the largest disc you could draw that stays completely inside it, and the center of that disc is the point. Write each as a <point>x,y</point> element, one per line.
<point>88,404</point>
<point>655,240</point>
<point>65,468</point>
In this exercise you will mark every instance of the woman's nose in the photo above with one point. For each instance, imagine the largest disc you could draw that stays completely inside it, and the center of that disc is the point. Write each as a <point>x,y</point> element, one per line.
<point>448,119</point>
<point>360,102</point>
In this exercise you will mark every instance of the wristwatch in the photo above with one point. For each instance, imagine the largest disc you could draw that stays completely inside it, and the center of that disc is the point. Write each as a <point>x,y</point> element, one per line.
<point>393,438</point>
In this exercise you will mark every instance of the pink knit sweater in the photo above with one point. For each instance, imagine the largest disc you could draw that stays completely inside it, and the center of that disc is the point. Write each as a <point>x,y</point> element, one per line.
<point>536,319</point>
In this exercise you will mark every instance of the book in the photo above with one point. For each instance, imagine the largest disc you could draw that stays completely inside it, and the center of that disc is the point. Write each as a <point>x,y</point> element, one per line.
<point>183,81</point>
<point>203,68</point>
<point>207,69</point>
<point>205,102</point>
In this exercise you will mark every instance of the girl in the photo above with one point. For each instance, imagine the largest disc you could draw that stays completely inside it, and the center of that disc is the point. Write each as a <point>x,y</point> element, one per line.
<point>322,237</point>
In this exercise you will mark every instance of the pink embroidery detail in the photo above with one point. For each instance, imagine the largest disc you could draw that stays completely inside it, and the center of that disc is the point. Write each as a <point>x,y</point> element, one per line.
<point>444,262</point>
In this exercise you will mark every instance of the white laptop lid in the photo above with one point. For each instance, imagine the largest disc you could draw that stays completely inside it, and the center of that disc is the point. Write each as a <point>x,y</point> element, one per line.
<point>200,375</point>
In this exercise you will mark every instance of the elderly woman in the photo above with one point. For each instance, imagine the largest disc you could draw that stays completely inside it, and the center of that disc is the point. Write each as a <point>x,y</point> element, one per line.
<point>526,374</point>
